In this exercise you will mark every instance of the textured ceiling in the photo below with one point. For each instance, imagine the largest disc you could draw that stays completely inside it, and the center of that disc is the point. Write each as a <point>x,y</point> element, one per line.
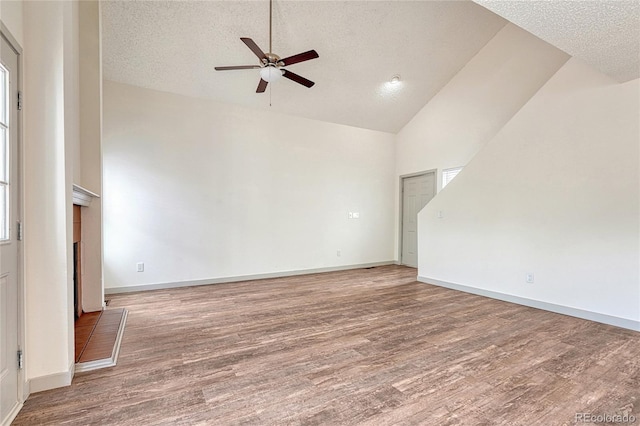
<point>603,33</point>
<point>174,46</point>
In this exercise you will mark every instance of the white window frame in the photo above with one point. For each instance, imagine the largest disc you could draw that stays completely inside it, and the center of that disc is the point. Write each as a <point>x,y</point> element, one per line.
<point>4,157</point>
<point>449,174</point>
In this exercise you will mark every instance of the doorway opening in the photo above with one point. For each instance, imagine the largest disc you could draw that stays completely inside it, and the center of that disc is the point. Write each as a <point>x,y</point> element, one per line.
<point>416,190</point>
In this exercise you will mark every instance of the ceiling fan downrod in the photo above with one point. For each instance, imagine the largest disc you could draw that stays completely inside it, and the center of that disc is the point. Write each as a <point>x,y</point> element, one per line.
<point>270,24</point>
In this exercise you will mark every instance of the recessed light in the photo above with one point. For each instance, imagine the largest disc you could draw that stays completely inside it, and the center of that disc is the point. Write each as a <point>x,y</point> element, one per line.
<point>395,79</point>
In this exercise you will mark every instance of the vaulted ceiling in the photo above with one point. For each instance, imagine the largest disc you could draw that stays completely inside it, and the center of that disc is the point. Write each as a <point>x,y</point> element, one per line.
<point>174,46</point>
<point>604,33</point>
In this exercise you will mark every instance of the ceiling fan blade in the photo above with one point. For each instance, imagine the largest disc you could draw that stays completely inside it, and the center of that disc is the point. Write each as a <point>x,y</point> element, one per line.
<point>262,86</point>
<point>254,47</point>
<point>300,57</point>
<point>298,79</point>
<point>238,67</point>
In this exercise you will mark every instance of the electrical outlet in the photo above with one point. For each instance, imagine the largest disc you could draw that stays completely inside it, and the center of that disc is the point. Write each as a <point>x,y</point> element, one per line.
<point>350,215</point>
<point>140,267</point>
<point>529,277</point>
<point>356,215</point>
<point>338,253</point>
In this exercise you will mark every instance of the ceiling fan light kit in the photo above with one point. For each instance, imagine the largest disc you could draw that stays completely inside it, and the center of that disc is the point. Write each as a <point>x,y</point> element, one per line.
<point>271,66</point>
<point>271,74</point>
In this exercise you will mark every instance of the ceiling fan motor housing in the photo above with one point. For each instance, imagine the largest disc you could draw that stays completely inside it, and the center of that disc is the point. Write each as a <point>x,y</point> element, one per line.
<point>272,59</point>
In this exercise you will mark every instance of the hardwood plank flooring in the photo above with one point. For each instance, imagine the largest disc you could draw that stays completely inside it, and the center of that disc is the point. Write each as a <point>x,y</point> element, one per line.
<point>368,346</point>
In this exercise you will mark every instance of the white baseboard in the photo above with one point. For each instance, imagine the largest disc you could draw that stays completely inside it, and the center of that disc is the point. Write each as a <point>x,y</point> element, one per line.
<point>12,415</point>
<point>52,381</point>
<point>552,307</point>
<point>160,286</point>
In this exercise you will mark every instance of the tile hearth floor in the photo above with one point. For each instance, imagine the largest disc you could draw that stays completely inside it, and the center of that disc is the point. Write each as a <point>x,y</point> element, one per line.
<point>96,334</point>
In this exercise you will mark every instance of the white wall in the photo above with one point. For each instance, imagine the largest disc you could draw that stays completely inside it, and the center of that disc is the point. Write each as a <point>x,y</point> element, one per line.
<point>49,34</point>
<point>11,14</point>
<point>554,193</point>
<point>198,190</point>
<point>47,193</point>
<point>90,160</point>
<point>476,103</point>
<point>72,86</point>
<point>71,150</point>
<point>457,122</point>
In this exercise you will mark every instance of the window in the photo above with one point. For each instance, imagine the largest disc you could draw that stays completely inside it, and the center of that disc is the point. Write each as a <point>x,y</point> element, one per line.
<point>4,154</point>
<point>449,174</point>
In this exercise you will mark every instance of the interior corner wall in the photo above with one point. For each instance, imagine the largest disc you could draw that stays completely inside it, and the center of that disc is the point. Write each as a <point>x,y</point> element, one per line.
<point>90,159</point>
<point>201,191</point>
<point>48,172</point>
<point>72,87</point>
<point>554,194</point>
<point>460,119</point>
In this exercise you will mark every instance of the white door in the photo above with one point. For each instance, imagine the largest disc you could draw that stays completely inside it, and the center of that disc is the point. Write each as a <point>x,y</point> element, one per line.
<point>417,191</point>
<point>9,215</point>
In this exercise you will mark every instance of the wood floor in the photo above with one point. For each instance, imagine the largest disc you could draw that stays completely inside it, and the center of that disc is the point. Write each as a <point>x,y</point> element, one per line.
<point>370,346</point>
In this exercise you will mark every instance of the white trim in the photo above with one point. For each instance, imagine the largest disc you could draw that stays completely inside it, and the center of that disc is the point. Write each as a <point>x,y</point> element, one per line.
<point>52,381</point>
<point>26,389</point>
<point>13,414</point>
<point>401,205</point>
<point>538,304</point>
<point>82,196</point>
<point>161,286</point>
<point>107,362</point>
<point>95,365</point>
<point>23,382</point>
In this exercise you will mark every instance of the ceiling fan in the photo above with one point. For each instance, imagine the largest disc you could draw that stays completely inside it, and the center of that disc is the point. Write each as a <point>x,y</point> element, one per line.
<point>271,65</point>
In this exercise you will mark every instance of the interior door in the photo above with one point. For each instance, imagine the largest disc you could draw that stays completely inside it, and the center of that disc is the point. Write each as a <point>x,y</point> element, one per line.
<point>417,191</point>
<point>9,215</point>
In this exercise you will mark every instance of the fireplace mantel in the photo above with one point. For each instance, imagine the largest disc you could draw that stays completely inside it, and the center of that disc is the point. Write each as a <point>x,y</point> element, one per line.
<point>82,196</point>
